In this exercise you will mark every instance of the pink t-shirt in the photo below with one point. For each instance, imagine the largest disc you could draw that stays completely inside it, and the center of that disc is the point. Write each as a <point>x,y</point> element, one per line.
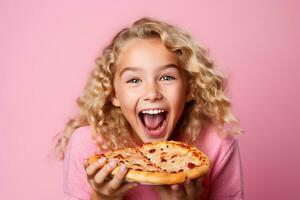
<point>225,180</point>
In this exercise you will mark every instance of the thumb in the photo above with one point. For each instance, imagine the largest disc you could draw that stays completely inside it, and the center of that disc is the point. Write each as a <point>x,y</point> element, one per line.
<point>163,191</point>
<point>85,163</point>
<point>127,186</point>
<point>160,187</point>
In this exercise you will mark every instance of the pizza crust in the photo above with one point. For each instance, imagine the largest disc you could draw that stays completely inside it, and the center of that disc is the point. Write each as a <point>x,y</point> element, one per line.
<point>147,178</point>
<point>155,178</point>
<point>197,172</point>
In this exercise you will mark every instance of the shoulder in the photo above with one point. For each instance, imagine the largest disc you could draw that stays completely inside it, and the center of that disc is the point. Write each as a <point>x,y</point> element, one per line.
<point>210,140</point>
<point>214,146</point>
<point>81,133</point>
<point>81,143</point>
<point>225,179</point>
<point>80,147</point>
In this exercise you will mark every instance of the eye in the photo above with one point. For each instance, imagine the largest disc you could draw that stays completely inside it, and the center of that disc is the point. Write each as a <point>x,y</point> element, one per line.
<point>134,80</point>
<point>167,78</point>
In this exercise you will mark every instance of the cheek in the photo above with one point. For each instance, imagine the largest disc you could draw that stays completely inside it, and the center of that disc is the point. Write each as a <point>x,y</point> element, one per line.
<point>177,94</point>
<point>127,97</point>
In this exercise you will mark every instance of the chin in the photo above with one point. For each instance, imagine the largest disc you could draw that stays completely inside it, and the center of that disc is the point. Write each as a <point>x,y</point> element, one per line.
<point>151,138</point>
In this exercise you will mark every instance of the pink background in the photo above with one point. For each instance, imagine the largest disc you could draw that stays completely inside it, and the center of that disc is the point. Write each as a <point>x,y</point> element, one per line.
<point>48,48</point>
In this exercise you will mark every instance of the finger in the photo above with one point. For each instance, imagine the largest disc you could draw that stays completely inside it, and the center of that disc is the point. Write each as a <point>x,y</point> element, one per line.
<point>127,186</point>
<point>190,188</point>
<point>92,169</point>
<point>199,182</point>
<point>118,178</point>
<point>104,172</point>
<point>199,185</point>
<point>85,163</point>
<point>177,191</point>
<point>160,188</point>
<point>163,191</point>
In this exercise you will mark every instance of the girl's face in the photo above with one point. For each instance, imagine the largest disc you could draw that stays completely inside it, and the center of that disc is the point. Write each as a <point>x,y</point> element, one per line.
<point>150,88</point>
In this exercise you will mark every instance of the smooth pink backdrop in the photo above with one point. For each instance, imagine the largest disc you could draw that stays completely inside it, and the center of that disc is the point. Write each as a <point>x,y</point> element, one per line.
<point>47,49</point>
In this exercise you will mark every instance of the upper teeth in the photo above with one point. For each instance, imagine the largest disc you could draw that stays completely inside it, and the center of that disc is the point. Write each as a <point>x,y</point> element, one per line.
<point>153,112</point>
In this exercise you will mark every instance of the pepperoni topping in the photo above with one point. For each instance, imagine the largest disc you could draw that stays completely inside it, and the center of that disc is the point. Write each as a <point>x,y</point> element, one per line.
<point>195,154</point>
<point>119,156</point>
<point>191,165</point>
<point>98,156</point>
<point>151,150</point>
<point>173,156</point>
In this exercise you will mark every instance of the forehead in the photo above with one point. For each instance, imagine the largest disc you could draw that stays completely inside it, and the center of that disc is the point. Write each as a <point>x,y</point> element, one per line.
<point>146,53</point>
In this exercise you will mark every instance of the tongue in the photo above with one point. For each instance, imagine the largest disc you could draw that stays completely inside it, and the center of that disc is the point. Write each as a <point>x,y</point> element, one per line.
<point>153,121</point>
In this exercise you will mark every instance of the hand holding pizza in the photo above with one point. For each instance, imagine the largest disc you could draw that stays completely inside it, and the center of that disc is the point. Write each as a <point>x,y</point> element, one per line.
<point>190,190</point>
<point>173,167</point>
<point>99,172</point>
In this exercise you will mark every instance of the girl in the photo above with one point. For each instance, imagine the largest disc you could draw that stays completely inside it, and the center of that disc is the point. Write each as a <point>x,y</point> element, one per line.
<point>153,82</point>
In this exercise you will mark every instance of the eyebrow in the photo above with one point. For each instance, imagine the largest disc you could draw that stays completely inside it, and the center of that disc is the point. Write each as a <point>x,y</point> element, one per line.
<point>135,69</point>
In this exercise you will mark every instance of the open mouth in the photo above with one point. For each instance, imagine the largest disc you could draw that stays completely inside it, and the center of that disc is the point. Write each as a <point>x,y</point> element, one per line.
<point>154,121</point>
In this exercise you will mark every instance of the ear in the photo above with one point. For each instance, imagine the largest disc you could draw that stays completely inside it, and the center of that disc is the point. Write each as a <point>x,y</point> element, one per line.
<point>189,97</point>
<point>115,101</point>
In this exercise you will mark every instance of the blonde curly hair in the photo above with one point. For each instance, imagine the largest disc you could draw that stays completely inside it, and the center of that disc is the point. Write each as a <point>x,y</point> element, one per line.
<point>207,86</point>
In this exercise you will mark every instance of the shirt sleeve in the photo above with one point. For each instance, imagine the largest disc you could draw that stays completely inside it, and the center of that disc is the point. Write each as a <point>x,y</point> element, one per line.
<point>227,177</point>
<point>75,184</point>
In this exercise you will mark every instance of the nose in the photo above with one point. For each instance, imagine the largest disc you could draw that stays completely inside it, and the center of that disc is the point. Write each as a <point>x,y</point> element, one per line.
<point>152,92</point>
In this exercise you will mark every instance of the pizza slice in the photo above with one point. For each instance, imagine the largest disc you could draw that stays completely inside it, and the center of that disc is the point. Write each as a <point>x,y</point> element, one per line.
<point>159,163</point>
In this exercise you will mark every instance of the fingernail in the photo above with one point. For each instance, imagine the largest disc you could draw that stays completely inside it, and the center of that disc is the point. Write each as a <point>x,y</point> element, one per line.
<point>98,151</point>
<point>135,184</point>
<point>123,168</point>
<point>101,160</point>
<point>188,181</point>
<point>112,163</point>
<point>99,139</point>
<point>85,162</point>
<point>200,180</point>
<point>175,187</point>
